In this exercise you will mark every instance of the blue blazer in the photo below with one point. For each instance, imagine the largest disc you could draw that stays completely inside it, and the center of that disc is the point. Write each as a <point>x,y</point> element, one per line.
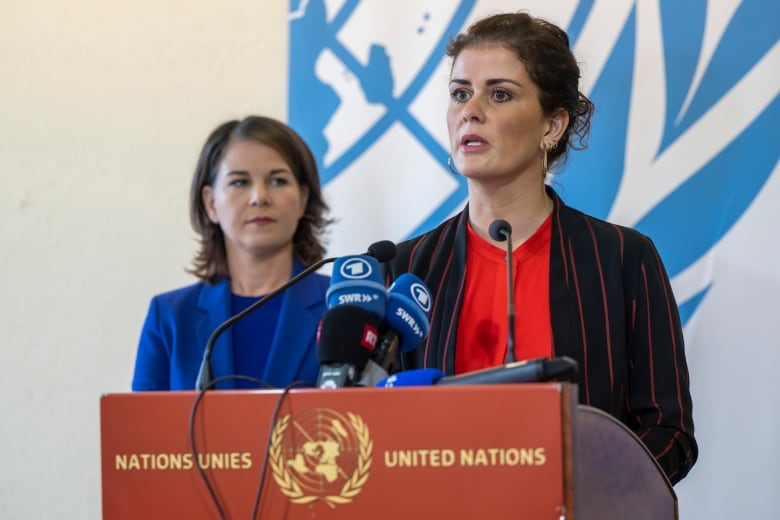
<point>179,324</point>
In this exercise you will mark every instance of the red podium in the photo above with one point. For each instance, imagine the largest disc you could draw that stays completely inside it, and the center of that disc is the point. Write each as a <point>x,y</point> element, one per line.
<point>483,452</point>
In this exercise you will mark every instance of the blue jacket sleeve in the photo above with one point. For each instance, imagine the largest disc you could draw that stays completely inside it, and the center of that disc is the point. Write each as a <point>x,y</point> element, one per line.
<point>152,363</point>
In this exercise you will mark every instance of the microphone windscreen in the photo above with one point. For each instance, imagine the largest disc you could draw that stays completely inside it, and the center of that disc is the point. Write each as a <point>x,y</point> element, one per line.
<point>347,335</point>
<point>499,230</point>
<point>383,251</point>
<point>357,280</point>
<point>408,310</point>
<point>418,377</point>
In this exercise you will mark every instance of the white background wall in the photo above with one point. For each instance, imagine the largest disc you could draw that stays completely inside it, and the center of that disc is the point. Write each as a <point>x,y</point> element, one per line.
<point>104,105</point>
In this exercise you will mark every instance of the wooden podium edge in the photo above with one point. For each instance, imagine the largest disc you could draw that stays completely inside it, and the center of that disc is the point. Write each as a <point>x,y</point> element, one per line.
<point>636,464</point>
<point>568,422</point>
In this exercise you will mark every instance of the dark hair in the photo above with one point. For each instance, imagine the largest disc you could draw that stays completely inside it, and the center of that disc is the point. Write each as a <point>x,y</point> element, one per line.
<point>210,262</point>
<point>543,48</point>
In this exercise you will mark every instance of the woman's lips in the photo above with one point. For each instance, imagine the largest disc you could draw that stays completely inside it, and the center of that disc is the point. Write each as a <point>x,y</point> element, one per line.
<point>472,143</point>
<point>260,220</point>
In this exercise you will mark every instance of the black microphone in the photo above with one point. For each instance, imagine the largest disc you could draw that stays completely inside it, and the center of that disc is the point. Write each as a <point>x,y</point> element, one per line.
<point>347,337</point>
<point>500,230</point>
<point>536,370</point>
<point>529,371</point>
<point>383,251</point>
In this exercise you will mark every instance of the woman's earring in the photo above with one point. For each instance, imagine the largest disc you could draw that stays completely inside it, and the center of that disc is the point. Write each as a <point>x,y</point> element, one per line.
<point>548,147</point>
<point>450,166</point>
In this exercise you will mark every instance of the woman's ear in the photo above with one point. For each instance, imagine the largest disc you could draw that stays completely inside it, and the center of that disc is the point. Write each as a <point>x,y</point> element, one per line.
<point>304,199</point>
<point>558,122</point>
<point>207,196</point>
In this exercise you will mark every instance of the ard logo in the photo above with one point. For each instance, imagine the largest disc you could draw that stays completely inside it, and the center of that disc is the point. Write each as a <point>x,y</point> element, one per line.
<point>321,455</point>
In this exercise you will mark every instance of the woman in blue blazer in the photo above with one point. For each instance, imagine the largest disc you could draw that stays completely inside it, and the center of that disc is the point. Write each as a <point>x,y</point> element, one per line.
<point>256,204</point>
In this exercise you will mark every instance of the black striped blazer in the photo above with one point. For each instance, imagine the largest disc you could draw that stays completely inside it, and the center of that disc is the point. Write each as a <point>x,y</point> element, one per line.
<point>612,310</point>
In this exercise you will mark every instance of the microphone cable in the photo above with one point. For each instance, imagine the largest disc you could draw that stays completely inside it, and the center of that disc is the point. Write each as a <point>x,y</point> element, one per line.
<point>274,417</point>
<point>193,446</point>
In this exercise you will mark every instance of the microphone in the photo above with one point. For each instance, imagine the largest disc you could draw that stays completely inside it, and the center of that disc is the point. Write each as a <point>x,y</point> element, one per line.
<point>356,282</point>
<point>347,336</point>
<point>382,251</point>
<point>531,371</point>
<point>535,370</point>
<point>406,324</point>
<point>419,377</point>
<point>500,230</point>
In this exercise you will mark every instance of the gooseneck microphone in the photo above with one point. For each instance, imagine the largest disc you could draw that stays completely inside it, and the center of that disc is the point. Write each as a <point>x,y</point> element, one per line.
<point>383,251</point>
<point>499,231</point>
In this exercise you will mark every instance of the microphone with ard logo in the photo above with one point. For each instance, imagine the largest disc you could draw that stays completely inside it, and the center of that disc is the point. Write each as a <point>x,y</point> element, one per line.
<point>350,328</point>
<point>406,324</point>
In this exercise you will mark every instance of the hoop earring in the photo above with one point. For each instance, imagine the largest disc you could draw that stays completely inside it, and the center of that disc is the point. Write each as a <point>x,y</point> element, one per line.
<point>450,166</point>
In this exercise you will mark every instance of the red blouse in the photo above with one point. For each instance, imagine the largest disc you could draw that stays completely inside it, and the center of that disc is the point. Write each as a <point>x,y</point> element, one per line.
<point>482,328</point>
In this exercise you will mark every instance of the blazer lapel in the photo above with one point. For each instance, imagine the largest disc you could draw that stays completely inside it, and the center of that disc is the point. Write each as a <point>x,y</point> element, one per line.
<point>294,340</point>
<point>214,305</point>
<point>563,313</point>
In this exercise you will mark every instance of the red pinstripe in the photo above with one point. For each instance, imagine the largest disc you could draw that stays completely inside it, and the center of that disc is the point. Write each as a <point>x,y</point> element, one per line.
<point>607,334</point>
<point>436,300</point>
<point>669,311</point>
<point>562,246</point>
<point>651,360</point>
<point>582,326</point>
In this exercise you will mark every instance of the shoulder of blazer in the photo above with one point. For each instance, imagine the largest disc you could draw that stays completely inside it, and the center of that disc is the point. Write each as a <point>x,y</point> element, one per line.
<point>417,255</point>
<point>188,297</point>
<point>572,225</point>
<point>596,243</point>
<point>310,291</point>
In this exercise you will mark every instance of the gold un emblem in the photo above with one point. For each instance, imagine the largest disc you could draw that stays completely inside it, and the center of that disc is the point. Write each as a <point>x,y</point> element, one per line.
<point>324,456</point>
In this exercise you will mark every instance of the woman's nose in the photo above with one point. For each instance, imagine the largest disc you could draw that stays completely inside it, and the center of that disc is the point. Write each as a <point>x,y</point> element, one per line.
<point>472,110</point>
<point>259,196</point>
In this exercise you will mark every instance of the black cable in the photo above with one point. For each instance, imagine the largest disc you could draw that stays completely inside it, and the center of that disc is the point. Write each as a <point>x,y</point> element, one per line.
<point>274,416</point>
<point>193,448</point>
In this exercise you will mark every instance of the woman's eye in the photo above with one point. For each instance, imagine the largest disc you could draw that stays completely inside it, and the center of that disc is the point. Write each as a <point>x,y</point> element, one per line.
<point>502,95</point>
<point>459,96</point>
<point>238,183</point>
<point>279,181</point>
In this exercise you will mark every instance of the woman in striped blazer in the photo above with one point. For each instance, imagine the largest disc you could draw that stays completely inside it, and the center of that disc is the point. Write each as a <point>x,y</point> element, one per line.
<point>583,287</point>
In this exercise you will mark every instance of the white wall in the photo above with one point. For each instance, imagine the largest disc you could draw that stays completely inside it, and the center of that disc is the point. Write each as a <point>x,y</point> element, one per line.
<point>104,105</point>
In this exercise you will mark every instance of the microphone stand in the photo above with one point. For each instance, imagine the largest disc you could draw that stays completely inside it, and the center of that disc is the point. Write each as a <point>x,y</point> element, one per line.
<point>501,230</point>
<point>510,338</point>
